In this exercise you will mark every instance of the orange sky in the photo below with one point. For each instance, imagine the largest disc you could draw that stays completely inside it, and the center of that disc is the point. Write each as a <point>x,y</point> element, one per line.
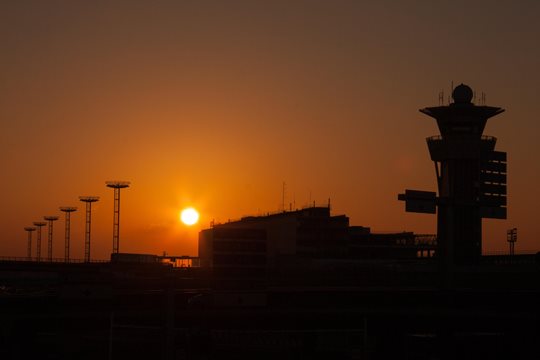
<point>214,104</point>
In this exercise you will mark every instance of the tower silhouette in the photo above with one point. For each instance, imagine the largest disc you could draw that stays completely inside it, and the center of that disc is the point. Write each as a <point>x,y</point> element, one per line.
<point>67,210</point>
<point>471,178</point>
<point>88,200</point>
<point>39,225</point>
<point>116,185</point>
<point>29,229</point>
<point>50,220</point>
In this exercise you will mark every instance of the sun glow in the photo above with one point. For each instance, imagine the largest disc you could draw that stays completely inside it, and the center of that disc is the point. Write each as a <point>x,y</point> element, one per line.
<point>189,216</point>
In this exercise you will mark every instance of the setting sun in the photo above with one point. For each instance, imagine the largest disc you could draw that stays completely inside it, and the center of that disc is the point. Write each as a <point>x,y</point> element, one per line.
<point>189,216</point>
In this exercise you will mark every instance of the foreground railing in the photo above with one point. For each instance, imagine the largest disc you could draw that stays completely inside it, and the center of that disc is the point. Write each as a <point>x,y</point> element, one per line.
<point>53,260</point>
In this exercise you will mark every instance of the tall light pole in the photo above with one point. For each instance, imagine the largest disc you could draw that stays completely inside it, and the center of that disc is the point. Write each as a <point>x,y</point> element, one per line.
<point>88,200</point>
<point>50,220</point>
<point>67,210</point>
<point>39,225</point>
<point>29,229</point>
<point>116,185</point>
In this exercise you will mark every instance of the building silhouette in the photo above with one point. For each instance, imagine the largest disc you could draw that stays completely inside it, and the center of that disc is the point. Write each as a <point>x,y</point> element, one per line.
<point>293,240</point>
<point>471,178</point>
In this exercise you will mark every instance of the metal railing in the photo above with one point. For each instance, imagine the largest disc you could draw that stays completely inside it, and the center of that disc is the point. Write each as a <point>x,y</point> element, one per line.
<point>483,138</point>
<point>54,260</point>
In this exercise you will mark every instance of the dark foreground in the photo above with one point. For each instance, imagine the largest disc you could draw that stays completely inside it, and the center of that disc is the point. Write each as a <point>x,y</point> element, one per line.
<point>328,311</point>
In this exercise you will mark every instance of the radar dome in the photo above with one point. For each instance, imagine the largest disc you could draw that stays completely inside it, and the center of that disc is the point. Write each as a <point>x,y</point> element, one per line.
<point>462,94</point>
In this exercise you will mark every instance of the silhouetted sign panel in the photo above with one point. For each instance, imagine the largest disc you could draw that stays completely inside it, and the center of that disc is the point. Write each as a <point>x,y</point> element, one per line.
<point>493,178</point>
<point>493,189</point>
<point>493,212</point>
<point>418,194</point>
<point>419,206</point>
<point>496,156</point>
<point>494,167</point>
<point>492,200</point>
<point>419,201</point>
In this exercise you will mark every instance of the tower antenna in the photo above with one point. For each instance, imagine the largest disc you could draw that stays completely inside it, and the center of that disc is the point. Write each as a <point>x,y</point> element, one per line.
<point>39,225</point>
<point>116,185</point>
<point>29,229</point>
<point>50,220</point>
<point>68,210</point>
<point>88,200</point>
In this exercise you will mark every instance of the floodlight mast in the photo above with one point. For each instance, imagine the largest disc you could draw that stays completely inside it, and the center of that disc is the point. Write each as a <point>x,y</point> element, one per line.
<point>67,210</point>
<point>29,229</point>
<point>116,185</point>
<point>88,200</point>
<point>39,225</point>
<point>50,220</point>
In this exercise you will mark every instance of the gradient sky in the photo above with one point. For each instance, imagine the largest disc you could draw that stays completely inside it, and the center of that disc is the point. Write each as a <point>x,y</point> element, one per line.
<point>214,104</point>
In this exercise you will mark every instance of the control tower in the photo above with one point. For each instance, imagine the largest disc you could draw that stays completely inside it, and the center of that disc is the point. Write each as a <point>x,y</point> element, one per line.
<point>471,178</point>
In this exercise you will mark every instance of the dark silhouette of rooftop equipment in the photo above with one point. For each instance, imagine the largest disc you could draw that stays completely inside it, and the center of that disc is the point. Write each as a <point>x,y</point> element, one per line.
<point>29,229</point>
<point>511,238</point>
<point>50,220</point>
<point>39,225</point>
<point>116,185</point>
<point>471,178</point>
<point>67,210</point>
<point>88,200</point>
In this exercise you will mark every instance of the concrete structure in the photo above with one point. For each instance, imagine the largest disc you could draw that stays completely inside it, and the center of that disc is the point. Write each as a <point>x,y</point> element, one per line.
<point>471,178</point>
